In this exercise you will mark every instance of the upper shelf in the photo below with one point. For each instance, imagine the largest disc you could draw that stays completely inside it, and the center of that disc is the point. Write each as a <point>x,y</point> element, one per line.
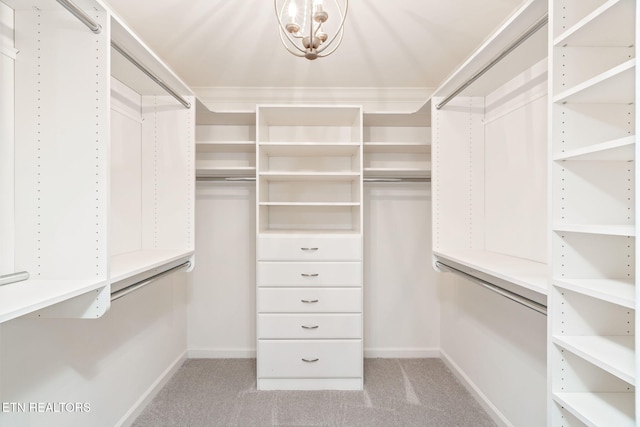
<point>622,149</point>
<point>595,28</point>
<point>523,57</point>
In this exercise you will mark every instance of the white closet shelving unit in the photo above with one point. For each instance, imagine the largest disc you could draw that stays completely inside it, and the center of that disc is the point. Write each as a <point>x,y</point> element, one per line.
<point>397,146</point>
<point>225,150</point>
<point>592,335</point>
<point>489,160</point>
<point>103,162</point>
<point>309,247</point>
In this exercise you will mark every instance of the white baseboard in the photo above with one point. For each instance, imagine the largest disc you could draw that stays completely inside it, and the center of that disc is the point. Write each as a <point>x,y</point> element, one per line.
<point>482,399</point>
<point>401,353</point>
<point>221,353</point>
<point>137,408</point>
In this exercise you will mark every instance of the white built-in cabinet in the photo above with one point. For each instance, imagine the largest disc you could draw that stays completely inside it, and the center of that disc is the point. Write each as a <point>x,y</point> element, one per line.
<point>489,162</point>
<point>592,318</point>
<point>309,247</point>
<point>104,162</point>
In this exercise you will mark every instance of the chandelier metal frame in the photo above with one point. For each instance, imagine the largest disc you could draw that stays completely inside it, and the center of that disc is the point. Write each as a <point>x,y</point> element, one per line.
<point>314,43</point>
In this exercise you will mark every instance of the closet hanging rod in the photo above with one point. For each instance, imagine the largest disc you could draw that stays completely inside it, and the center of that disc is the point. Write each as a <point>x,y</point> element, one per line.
<point>396,180</point>
<point>81,15</point>
<point>135,286</point>
<point>531,31</point>
<point>149,74</point>
<point>533,305</point>
<point>226,178</point>
<point>7,279</point>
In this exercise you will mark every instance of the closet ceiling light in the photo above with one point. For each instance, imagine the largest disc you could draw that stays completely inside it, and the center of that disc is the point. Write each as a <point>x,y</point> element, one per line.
<point>304,26</point>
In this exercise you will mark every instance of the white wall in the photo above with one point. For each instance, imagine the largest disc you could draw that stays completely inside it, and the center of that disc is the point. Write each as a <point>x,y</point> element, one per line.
<point>111,363</point>
<point>498,347</point>
<point>222,295</point>
<point>401,305</point>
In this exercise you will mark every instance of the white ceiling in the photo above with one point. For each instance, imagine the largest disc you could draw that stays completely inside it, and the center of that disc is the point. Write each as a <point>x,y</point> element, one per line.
<point>226,46</point>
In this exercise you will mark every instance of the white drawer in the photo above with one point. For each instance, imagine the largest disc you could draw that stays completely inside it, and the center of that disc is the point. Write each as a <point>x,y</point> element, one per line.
<point>310,359</point>
<point>309,248</point>
<point>316,300</point>
<point>309,326</point>
<point>309,273</point>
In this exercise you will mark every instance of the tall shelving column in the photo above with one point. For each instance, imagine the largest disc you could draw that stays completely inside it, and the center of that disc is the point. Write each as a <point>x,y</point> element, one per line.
<point>592,337</point>
<point>309,247</point>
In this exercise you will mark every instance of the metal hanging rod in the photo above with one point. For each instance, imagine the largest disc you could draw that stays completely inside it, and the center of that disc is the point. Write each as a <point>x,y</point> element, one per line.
<point>531,31</point>
<point>134,287</point>
<point>250,178</point>
<point>13,278</point>
<point>226,178</point>
<point>533,305</point>
<point>149,74</point>
<point>81,15</point>
<point>397,180</point>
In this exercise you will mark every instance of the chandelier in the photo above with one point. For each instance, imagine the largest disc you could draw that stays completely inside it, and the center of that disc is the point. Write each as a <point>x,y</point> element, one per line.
<point>302,26</point>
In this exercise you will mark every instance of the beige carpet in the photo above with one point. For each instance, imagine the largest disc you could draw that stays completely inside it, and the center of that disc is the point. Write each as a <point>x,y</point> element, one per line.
<point>397,392</point>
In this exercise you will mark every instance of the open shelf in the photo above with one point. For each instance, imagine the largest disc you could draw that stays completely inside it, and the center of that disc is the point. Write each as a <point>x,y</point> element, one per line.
<point>21,298</point>
<point>128,265</point>
<point>621,149</point>
<point>600,409</point>
<point>616,291</point>
<point>527,274</point>
<point>614,354</point>
<point>611,24</point>
<point>609,87</point>
<point>604,229</point>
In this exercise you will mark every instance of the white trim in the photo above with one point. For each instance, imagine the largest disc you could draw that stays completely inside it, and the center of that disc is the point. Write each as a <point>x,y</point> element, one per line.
<point>221,353</point>
<point>397,100</point>
<point>401,353</point>
<point>136,409</point>
<point>480,397</point>
<point>9,52</point>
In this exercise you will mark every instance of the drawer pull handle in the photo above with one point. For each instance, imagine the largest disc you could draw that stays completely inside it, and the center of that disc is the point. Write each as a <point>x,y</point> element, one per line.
<point>310,360</point>
<point>309,301</point>
<point>309,327</point>
<point>309,274</point>
<point>309,249</point>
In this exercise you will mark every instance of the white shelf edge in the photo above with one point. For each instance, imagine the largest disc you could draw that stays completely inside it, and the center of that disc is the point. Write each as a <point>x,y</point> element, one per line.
<point>309,143</point>
<point>612,230</point>
<point>9,52</point>
<point>612,73</point>
<point>21,298</point>
<point>594,409</point>
<point>609,353</point>
<point>531,275</point>
<point>584,22</point>
<point>127,265</point>
<point>576,154</point>
<point>623,294</point>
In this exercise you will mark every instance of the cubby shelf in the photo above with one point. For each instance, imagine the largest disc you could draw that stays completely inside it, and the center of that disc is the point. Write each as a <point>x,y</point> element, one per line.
<point>621,149</point>
<point>595,28</point>
<point>614,354</point>
<point>610,87</point>
<point>606,229</point>
<point>617,291</point>
<point>600,409</point>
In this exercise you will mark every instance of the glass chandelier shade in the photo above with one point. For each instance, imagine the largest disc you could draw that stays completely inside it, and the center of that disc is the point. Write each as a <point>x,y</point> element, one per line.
<point>306,29</point>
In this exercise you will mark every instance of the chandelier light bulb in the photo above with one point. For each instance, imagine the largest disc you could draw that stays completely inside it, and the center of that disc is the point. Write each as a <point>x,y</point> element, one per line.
<point>303,26</point>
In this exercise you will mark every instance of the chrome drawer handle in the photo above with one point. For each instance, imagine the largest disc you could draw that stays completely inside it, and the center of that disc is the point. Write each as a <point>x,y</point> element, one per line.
<point>310,360</point>
<point>309,327</point>
<point>309,301</point>
<point>309,249</point>
<point>310,274</point>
